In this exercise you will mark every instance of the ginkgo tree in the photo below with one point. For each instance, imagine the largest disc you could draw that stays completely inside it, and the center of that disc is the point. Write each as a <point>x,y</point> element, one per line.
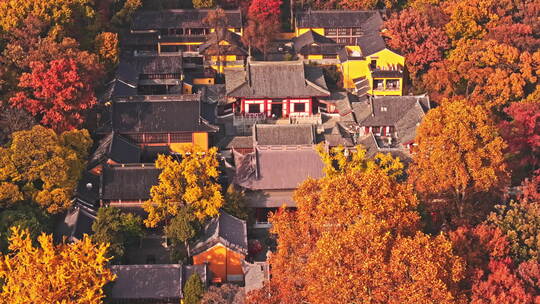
<point>43,167</point>
<point>191,181</point>
<point>65,273</point>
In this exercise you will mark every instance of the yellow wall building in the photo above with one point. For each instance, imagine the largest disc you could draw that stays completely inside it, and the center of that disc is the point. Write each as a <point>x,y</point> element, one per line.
<point>222,246</point>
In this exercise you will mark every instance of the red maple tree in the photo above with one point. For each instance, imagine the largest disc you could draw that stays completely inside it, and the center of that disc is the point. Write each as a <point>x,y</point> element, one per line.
<point>502,286</point>
<point>522,134</point>
<point>264,9</point>
<point>412,33</point>
<point>57,92</point>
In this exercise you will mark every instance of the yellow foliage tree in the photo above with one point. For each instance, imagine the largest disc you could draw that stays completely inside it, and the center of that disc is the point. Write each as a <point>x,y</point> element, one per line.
<point>339,160</point>
<point>74,273</point>
<point>106,45</point>
<point>43,167</point>
<point>60,14</point>
<point>459,154</point>
<point>485,72</point>
<point>191,181</point>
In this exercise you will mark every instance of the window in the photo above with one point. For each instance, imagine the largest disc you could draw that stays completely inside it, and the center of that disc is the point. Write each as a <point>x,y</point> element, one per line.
<point>180,137</point>
<point>329,56</point>
<point>344,31</point>
<point>384,109</point>
<point>378,84</point>
<point>357,31</point>
<point>254,108</point>
<point>156,138</point>
<point>373,64</point>
<point>346,41</point>
<point>197,31</point>
<point>299,107</point>
<point>392,84</point>
<point>330,31</point>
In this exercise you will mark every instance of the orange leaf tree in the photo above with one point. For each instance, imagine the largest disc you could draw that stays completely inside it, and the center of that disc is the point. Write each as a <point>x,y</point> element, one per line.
<point>74,273</point>
<point>459,154</point>
<point>349,234</point>
<point>485,72</point>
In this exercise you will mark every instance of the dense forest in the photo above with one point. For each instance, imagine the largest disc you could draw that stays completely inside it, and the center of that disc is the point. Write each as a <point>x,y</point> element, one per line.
<point>460,224</point>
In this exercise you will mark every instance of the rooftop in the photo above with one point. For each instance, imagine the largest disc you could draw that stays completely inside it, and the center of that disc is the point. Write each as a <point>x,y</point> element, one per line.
<point>225,229</point>
<point>117,148</point>
<point>286,135</point>
<point>172,115</point>
<point>212,46</point>
<point>366,20</point>
<point>275,79</point>
<point>179,18</point>
<point>152,282</point>
<point>277,167</point>
<point>128,183</point>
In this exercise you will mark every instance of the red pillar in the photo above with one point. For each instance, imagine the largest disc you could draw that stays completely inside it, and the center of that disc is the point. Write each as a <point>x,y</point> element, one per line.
<point>310,106</point>
<point>287,105</point>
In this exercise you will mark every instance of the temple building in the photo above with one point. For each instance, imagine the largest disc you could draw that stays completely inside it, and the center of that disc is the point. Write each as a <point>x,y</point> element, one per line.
<point>277,89</point>
<point>174,31</point>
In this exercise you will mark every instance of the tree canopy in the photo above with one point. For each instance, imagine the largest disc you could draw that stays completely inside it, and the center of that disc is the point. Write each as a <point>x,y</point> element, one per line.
<point>43,167</point>
<point>53,274</point>
<point>459,154</point>
<point>358,223</point>
<point>191,182</point>
<point>117,229</point>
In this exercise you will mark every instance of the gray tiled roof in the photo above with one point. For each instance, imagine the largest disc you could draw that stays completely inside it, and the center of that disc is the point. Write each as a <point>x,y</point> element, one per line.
<point>367,20</point>
<point>174,115</point>
<point>277,167</point>
<point>117,148</point>
<point>236,142</point>
<point>371,43</point>
<point>270,198</point>
<point>275,79</point>
<point>310,37</point>
<point>153,64</point>
<point>129,182</point>
<point>225,229</point>
<point>235,47</point>
<point>277,135</point>
<point>179,18</point>
<point>147,282</point>
<point>387,110</point>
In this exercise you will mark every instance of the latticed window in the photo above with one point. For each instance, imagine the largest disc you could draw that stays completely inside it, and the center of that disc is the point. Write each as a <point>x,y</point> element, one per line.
<point>155,138</point>
<point>136,138</point>
<point>330,31</point>
<point>180,137</point>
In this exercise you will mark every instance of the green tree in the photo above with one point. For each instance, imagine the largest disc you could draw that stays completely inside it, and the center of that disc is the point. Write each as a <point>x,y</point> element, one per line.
<point>193,290</point>
<point>520,221</point>
<point>235,203</point>
<point>43,167</point>
<point>118,229</point>
<point>183,226</point>
<point>24,216</point>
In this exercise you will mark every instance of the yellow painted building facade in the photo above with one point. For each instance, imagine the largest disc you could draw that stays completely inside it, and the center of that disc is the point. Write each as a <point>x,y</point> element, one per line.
<point>369,67</point>
<point>199,139</point>
<point>224,264</point>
